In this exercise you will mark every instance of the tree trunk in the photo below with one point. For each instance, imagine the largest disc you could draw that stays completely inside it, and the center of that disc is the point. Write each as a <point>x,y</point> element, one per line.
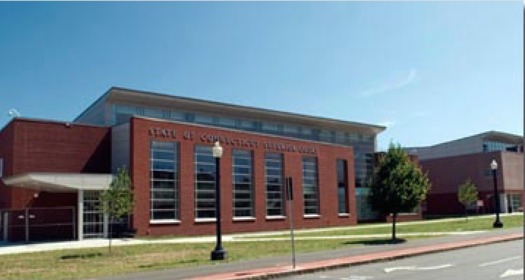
<point>394,216</point>
<point>110,234</point>
<point>466,213</point>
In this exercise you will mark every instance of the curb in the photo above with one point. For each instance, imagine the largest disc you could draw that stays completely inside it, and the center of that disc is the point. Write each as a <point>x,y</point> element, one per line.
<point>280,271</point>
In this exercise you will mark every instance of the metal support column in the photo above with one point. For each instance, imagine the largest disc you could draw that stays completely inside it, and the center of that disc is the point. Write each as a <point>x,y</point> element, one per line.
<point>80,214</point>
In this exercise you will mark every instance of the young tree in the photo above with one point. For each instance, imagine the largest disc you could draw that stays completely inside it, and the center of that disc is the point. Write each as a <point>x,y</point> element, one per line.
<point>467,194</point>
<point>117,201</point>
<point>398,185</point>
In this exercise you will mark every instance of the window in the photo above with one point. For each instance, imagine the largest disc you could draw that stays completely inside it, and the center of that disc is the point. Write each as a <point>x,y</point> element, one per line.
<point>153,113</point>
<point>93,224</point>
<point>310,190</point>
<point>291,129</point>
<point>515,202</point>
<point>189,117</point>
<point>204,119</point>
<point>490,146</point>
<point>271,127</point>
<point>164,188</point>
<point>242,183</point>
<point>176,115</point>
<point>273,163</point>
<point>1,167</point>
<point>245,124</point>
<point>342,186</point>
<point>204,183</point>
<point>227,122</point>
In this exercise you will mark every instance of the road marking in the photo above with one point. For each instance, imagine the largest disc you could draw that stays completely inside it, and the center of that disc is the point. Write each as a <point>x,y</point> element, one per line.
<point>511,272</point>
<point>391,269</point>
<point>499,261</point>
<point>359,277</point>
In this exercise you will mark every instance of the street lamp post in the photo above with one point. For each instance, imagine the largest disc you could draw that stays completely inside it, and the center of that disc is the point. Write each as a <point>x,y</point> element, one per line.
<point>494,167</point>
<point>218,253</point>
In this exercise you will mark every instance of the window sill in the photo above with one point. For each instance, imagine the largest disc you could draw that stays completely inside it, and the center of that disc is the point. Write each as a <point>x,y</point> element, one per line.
<point>275,217</point>
<point>243,219</point>
<point>344,215</point>
<point>312,216</point>
<point>206,220</point>
<point>164,222</point>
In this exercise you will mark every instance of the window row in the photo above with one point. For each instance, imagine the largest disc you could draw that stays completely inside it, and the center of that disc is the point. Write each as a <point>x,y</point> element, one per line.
<point>164,184</point>
<point>122,113</point>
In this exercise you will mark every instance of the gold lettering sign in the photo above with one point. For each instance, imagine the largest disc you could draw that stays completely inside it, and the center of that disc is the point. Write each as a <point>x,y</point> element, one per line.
<point>230,141</point>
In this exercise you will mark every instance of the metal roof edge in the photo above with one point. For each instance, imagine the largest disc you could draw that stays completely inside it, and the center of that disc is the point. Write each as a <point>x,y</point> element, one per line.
<point>375,128</point>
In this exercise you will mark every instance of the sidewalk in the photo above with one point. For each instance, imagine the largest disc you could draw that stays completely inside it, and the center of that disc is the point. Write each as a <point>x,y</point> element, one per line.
<point>17,248</point>
<point>267,268</point>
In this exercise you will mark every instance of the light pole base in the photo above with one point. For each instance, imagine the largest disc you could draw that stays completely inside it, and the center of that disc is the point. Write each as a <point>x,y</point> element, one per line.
<point>219,255</point>
<point>497,224</point>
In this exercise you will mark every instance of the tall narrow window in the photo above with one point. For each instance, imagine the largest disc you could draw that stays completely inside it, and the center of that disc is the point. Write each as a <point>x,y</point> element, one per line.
<point>1,167</point>
<point>310,189</point>
<point>242,183</point>
<point>204,183</point>
<point>164,182</point>
<point>273,164</point>
<point>342,186</point>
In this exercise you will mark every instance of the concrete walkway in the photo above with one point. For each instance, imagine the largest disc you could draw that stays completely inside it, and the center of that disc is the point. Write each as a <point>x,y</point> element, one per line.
<point>18,248</point>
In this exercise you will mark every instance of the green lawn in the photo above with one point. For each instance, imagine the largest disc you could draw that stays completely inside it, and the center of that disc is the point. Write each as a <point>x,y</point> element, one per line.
<point>461,224</point>
<point>85,263</point>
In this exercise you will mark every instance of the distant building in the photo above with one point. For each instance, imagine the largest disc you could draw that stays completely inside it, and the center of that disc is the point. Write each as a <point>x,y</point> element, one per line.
<point>449,164</point>
<point>52,172</point>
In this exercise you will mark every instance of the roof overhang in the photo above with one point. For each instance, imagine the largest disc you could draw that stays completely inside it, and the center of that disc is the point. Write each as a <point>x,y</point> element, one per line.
<point>152,99</point>
<point>503,137</point>
<point>60,182</point>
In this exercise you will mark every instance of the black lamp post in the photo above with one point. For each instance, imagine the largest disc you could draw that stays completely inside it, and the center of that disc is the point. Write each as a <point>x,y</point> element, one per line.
<point>494,167</point>
<point>218,253</point>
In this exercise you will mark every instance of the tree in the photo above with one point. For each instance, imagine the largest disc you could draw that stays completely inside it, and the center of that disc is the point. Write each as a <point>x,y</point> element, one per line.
<point>467,194</point>
<point>398,185</point>
<point>117,200</point>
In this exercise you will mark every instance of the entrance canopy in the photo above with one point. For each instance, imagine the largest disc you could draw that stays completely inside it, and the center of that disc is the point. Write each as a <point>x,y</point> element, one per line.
<point>60,182</point>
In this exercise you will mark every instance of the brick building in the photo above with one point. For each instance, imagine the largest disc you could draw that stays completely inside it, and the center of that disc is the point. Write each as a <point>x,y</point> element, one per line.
<point>449,164</point>
<point>51,172</point>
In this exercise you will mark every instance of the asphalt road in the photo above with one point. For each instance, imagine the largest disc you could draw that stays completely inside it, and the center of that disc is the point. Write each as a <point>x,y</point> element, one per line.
<point>494,261</point>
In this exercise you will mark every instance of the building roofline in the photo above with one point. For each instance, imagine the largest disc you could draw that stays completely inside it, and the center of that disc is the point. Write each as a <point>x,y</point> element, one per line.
<point>487,135</point>
<point>502,136</point>
<point>99,99</point>
<point>116,90</point>
<point>50,121</point>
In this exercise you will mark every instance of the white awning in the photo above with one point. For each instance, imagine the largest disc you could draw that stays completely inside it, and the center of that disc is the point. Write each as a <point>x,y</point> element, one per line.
<point>60,182</point>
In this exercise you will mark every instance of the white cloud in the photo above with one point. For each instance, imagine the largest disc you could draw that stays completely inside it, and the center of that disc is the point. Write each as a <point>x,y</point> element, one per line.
<point>393,85</point>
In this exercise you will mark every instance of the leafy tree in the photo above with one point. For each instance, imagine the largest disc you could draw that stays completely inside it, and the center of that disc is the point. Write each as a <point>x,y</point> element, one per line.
<point>398,185</point>
<point>117,200</point>
<point>467,194</point>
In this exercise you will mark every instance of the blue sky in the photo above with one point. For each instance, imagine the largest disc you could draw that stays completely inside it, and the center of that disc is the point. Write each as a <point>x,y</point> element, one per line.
<point>430,71</point>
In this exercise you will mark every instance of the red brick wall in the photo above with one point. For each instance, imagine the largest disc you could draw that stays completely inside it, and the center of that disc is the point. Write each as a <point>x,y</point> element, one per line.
<point>44,146</point>
<point>327,176</point>
<point>6,152</point>
<point>446,174</point>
